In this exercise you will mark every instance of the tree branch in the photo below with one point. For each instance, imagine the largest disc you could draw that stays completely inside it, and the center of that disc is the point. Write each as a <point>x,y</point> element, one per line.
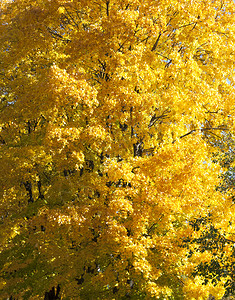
<point>156,43</point>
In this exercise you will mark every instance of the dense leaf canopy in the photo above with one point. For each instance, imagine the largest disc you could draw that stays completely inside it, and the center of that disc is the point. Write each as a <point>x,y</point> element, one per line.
<point>106,111</point>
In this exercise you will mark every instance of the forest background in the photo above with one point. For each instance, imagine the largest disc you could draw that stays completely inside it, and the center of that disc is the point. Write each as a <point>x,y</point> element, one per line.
<point>117,151</point>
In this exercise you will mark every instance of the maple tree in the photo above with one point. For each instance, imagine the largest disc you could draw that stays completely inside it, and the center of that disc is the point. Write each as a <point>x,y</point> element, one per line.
<point>106,109</point>
<point>218,241</point>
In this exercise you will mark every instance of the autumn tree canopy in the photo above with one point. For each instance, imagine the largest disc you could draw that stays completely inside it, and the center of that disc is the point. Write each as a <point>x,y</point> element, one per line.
<point>107,109</point>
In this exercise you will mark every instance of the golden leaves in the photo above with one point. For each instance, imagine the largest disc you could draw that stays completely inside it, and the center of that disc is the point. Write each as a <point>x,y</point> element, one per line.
<point>105,109</point>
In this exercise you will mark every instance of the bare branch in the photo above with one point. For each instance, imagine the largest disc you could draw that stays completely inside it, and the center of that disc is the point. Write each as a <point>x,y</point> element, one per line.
<point>107,8</point>
<point>156,43</point>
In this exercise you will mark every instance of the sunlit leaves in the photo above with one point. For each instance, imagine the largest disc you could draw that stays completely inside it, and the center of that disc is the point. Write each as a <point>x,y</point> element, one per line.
<point>106,107</point>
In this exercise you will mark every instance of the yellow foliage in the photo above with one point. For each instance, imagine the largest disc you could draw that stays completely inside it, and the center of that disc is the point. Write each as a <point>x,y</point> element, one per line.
<point>108,111</point>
